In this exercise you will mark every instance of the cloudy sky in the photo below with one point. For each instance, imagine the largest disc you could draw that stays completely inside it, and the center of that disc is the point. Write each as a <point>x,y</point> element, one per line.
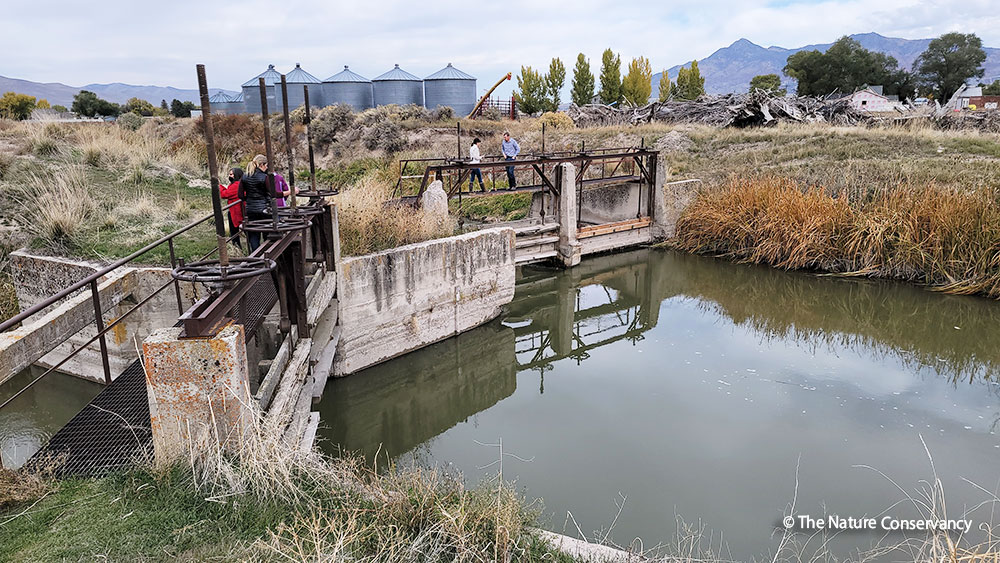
<point>145,43</point>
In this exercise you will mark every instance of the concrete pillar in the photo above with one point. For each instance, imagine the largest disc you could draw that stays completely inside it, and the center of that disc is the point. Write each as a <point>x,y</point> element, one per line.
<point>199,391</point>
<point>561,332</point>
<point>569,247</point>
<point>435,204</point>
<point>669,200</point>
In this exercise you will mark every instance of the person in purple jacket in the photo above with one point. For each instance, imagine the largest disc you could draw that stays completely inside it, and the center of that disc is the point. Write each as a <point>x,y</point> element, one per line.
<point>282,189</point>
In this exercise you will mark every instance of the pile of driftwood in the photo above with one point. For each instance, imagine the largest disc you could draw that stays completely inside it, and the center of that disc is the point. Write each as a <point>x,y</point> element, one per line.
<point>737,110</point>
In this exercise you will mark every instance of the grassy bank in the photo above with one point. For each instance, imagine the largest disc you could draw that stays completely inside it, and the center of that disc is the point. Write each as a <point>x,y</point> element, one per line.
<point>939,236</point>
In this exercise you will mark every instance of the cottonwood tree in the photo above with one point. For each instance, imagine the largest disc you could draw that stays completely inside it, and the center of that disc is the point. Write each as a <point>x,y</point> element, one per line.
<point>531,91</point>
<point>949,61</point>
<point>43,104</point>
<point>136,105</point>
<point>611,81</point>
<point>992,89</point>
<point>87,104</point>
<point>638,82</point>
<point>845,67</point>
<point>770,83</point>
<point>664,86</point>
<point>583,82</point>
<point>16,106</point>
<point>554,81</point>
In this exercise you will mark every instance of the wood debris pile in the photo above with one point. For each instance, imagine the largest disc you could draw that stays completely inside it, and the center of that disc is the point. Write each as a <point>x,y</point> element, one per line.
<point>736,110</point>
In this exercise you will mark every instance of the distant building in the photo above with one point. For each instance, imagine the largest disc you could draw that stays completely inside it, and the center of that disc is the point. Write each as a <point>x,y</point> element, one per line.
<point>872,99</point>
<point>984,102</point>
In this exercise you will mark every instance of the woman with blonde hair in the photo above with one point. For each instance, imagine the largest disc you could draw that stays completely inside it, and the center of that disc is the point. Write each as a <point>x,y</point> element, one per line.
<point>253,190</point>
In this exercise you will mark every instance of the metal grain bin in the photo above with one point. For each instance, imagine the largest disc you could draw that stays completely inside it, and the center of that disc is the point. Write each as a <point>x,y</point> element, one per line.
<point>251,91</point>
<point>236,105</point>
<point>296,79</point>
<point>450,87</point>
<point>398,87</point>
<point>219,103</point>
<point>347,87</point>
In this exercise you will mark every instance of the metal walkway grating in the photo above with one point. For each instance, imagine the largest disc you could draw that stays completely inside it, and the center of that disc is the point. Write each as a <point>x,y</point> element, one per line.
<point>110,433</point>
<point>113,431</point>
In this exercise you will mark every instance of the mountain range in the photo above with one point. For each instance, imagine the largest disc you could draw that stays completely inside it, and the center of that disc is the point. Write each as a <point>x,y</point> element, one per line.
<point>61,94</point>
<point>730,69</point>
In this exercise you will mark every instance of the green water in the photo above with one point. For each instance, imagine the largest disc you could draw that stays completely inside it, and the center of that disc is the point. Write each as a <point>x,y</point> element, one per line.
<point>702,390</point>
<point>30,420</point>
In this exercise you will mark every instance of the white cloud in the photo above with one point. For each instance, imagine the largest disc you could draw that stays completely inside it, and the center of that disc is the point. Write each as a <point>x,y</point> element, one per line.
<point>159,43</point>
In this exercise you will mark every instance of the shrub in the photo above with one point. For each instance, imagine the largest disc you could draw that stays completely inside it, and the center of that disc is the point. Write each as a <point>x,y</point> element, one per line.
<point>131,121</point>
<point>329,121</point>
<point>375,115</point>
<point>385,135</point>
<point>53,209</point>
<point>491,113</point>
<point>441,113</point>
<point>412,111</point>
<point>557,120</point>
<point>6,163</point>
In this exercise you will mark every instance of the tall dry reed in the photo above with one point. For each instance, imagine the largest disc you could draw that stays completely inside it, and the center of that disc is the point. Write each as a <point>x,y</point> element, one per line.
<point>944,237</point>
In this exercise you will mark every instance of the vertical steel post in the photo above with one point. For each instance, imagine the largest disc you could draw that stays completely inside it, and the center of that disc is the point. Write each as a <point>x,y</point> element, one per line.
<point>271,197</point>
<point>99,319</point>
<point>177,285</point>
<point>213,168</point>
<point>543,137</point>
<point>288,139</point>
<point>309,139</point>
<point>458,127</point>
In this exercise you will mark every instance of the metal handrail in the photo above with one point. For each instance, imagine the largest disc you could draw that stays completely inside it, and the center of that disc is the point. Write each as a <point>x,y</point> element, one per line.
<point>34,309</point>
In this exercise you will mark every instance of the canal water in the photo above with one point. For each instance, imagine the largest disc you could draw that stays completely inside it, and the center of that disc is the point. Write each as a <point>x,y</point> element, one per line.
<point>670,387</point>
<point>30,420</point>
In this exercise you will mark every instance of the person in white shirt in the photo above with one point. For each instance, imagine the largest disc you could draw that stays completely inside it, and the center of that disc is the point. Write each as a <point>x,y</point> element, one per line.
<point>475,158</point>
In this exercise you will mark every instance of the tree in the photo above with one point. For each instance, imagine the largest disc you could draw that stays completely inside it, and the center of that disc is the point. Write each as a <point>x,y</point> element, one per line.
<point>611,81</point>
<point>554,81</point>
<point>181,109</point>
<point>43,104</point>
<point>992,89</point>
<point>664,86</point>
<point>60,108</point>
<point>690,84</point>
<point>531,91</point>
<point>87,104</point>
<point>949,61</point>
<point>16,106</point>
<point>141,107</point>
<point>845,67</point>
<point>583,82</point>
<point>164,106</point>
<point>770,83</point>
<point>638,82</point>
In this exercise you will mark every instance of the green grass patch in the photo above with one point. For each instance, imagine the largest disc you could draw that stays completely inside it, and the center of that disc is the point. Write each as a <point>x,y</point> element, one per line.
<point>500,207</point>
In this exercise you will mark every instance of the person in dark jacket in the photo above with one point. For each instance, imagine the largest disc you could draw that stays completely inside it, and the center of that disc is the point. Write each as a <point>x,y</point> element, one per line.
<point>253,191</point>
<point>231,193</point>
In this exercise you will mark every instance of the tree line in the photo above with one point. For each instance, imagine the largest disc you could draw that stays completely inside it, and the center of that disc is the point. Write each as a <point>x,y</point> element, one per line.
<point>88,104</point>
<point>541,92</point>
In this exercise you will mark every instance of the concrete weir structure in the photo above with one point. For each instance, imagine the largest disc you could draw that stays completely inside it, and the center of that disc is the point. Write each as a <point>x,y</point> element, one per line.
<point>396,301</point>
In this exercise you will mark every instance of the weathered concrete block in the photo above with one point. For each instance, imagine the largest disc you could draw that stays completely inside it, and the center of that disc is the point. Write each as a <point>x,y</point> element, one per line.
<point>670,199</point>
<point>399,300</point>
<point>435,204</point>
<point>609,204</point>
<point>199,391</point>
<point>569,247</point>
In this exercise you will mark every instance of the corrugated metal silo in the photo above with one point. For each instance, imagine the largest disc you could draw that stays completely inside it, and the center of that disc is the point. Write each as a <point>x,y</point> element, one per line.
<point>450,87</point>
<point>219,103</point>
<point>347,87</point>
<point>236,104</point>
<point>398,87</point>
<point>251,91</point>
<point>296,79</point>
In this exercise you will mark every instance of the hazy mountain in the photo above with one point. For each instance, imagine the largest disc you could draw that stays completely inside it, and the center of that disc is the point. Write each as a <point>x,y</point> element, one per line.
<point>62,94</point>
<point>730,69</point>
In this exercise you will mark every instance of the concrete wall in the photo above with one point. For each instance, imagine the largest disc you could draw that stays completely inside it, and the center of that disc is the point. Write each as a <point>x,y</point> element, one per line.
<point>71,321</point>
<point>608,204</point>
<point>396,301</point>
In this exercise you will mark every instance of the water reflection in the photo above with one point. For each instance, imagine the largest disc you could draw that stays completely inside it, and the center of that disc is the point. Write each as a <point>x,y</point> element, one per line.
<point>695,387</point>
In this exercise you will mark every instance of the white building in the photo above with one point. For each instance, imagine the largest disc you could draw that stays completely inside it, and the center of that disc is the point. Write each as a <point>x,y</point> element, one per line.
<point>872,99</point>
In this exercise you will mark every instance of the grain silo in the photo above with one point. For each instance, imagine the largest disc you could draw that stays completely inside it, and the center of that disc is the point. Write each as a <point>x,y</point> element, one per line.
<point>398,87</point>
<point>251,91</point>
<point>450,87</point>
<point>347,87</point>
<point>296,80</point>
<point>236,104</point>
<point>219,103</point>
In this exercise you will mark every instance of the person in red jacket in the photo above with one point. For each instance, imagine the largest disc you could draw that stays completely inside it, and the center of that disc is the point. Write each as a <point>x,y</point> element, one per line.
<point>231,194</point>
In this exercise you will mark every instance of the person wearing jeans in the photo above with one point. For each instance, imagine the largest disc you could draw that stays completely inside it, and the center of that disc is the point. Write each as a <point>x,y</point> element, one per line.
<point>510,150</point>
<point>475,158</point>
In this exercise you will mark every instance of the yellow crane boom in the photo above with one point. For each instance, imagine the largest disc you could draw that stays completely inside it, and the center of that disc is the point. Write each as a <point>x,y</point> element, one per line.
<point>487,95</point>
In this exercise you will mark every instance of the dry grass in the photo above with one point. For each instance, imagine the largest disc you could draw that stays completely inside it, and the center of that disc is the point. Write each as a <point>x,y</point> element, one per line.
<point>53,209</point>
<point>367,224</point>
<point>17,487</point>
<point>943,237</point>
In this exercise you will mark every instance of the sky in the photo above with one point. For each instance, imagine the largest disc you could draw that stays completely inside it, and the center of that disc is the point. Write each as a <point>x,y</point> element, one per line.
<point>144,43</point>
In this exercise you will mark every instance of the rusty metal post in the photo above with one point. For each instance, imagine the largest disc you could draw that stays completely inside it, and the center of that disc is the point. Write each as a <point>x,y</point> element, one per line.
<point>213,169</point>
<point>177,284</point>
<point>543,137</point>
<point>458,127</point>
<point>271,201</point>
<point>288,139</point>
<point>99,318</point>
<point>309,139</point>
